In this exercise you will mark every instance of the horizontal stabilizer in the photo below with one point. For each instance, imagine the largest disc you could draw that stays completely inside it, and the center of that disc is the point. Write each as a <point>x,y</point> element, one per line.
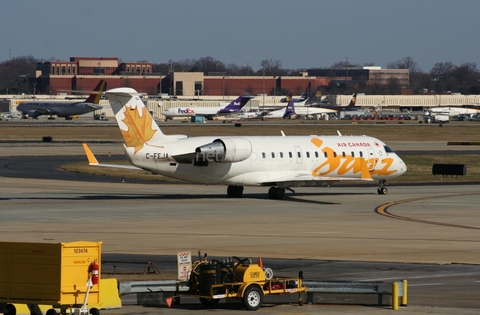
<point>92,160</point>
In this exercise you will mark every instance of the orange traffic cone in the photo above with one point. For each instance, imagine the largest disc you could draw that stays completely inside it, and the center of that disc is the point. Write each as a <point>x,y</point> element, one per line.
<point>169,301</point>
<point>260,262</point>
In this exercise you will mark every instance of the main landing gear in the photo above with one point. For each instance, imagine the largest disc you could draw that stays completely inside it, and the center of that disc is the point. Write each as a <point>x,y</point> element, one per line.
<point>382,187</point>
<point>235,191</point>
<point>276,193</point>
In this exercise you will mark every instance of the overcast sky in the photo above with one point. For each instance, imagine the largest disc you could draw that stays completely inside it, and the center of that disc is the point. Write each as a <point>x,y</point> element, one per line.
<point>299,33</point>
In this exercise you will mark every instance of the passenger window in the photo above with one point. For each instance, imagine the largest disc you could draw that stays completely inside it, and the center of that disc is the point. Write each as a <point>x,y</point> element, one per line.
<point>308,154</point>
<point>343,154</point>
<point>325,154</point>
<point>290,155</point>
<point>353,154</point>
<point>361,154</point>
<point>263,155</point>
<point>334,154</point>
<point>316,154</point>
<point>299,154</point>
<point>273,155</point>
<point>281,155</point>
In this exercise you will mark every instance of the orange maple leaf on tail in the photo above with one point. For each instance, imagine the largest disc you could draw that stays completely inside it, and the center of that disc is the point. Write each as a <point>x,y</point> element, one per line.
<point>139,128</point>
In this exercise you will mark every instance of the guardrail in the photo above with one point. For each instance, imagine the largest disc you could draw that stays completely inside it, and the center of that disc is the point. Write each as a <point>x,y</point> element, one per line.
<point>397,290</point>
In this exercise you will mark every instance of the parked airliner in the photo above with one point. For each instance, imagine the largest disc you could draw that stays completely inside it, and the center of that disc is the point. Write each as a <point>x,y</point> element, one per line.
<point>65,109</point>
<point>208,112</point>
<point>279,162</point>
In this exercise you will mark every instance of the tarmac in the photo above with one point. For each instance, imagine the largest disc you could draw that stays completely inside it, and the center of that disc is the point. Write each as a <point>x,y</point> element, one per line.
<point>422,226</point>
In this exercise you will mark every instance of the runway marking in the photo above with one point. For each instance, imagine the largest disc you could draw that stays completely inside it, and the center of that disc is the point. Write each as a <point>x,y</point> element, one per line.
<point>383,210</point>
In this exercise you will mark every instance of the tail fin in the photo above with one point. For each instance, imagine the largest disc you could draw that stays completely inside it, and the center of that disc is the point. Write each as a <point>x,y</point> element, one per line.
<point>134,120</point>
<point>95,96</point>
<point>306,94</point>
<point>290,110</point>
<point>236,105</point>
<point>353,101</point>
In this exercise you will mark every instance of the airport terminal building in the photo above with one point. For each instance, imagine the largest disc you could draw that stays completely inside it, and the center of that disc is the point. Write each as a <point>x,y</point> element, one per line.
<point>83,73</point>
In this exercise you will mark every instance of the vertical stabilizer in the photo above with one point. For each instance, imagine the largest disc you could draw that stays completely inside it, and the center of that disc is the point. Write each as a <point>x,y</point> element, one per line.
<point>134,120</point>
<point>353,101</point>
<point>236,105</point>
<point>290,110</point>
<point>95,97</point>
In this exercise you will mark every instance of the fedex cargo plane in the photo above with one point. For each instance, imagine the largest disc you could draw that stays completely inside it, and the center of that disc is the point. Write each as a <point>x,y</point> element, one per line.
<point>208,112</point>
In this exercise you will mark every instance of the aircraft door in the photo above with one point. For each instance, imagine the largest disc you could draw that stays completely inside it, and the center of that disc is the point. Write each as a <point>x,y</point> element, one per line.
<point>299,156</point>
<point>371,159</point>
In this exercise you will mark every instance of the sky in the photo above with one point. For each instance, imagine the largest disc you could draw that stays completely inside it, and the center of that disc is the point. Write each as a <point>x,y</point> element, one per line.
<point>300,33</point>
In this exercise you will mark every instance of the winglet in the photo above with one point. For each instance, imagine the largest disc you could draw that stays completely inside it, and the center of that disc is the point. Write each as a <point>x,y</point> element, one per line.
<point>92,160</point>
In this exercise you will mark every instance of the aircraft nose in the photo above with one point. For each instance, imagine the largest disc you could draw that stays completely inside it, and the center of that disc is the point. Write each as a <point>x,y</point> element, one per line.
<point>400,165</point>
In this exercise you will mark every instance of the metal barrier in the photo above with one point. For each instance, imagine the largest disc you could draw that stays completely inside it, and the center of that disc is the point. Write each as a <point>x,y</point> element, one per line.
<point>396,289</point>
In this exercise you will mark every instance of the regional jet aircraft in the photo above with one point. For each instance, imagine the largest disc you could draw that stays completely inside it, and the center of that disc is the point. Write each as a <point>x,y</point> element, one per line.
<point>65,109</point>
<point>208,112</point>
<point>279,162</point>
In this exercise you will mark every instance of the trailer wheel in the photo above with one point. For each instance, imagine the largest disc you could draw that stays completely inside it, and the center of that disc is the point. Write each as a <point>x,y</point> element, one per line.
<point>209,302</point>
<point>94,311</point>
<point>10,310</point>
<point>252,298</point>
<point>51,312</point>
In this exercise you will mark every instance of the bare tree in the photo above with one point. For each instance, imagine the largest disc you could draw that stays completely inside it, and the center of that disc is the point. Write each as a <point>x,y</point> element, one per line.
<point>270,66</point>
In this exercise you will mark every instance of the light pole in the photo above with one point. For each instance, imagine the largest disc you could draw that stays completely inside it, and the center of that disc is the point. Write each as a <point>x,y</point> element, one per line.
<point>263,88</point>
<point>223,87</point>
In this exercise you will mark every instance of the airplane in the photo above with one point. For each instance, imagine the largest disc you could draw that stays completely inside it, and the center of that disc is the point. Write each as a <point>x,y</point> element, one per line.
<point>208,112</point>
<point>305,95</point>
<point>279,162</point>
<point>450,111</point>
<point>65,109</point>
<point>299,109</point>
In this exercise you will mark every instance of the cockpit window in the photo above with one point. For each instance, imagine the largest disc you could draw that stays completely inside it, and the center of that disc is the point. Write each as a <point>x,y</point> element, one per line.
<point>387,149</point>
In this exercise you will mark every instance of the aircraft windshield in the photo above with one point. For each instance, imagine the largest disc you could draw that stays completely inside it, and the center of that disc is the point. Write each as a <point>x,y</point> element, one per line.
<point>387,149</point>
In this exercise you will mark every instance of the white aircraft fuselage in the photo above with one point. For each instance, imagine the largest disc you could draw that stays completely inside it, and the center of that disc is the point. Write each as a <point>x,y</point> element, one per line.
<point>284,161</point>
<point>280,162</point>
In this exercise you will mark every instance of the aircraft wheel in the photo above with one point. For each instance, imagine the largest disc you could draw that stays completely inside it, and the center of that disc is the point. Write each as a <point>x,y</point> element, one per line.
<point>234,191</point>
<point>252,298</point>
<point>382,191</point>
<point>276,193</point>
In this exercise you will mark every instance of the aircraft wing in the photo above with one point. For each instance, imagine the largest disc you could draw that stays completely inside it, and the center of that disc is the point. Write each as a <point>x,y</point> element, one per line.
<point>39,109</point>
<point>307,180</point>
<point>92,160</point>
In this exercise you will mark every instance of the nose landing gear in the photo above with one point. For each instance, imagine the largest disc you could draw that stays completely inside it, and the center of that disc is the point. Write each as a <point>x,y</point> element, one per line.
<point>382,187</point>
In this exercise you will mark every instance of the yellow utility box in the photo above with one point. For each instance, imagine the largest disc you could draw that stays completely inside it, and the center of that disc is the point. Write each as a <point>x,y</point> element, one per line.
<point>49,273</point>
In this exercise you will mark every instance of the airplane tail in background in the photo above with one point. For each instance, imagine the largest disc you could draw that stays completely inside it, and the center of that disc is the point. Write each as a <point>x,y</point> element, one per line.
<point>236,105</point>
<point>290,110</point>
<point>306,94</point>
<point>353,101</point>
<point>134,120</point>
<point>95,96</point>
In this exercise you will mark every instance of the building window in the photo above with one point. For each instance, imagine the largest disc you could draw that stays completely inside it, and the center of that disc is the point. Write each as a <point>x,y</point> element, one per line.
<point>179,88</point>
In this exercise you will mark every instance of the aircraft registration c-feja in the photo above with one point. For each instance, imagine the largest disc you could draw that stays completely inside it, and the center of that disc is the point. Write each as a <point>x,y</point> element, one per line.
<point>278,162</point>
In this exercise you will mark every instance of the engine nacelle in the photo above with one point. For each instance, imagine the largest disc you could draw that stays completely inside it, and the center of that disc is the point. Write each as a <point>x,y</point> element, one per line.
<point>225,150</point>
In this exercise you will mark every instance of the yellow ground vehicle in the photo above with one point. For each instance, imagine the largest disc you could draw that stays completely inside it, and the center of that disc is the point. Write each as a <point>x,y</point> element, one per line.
<point>57,275</point>
<point>237,278</point>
